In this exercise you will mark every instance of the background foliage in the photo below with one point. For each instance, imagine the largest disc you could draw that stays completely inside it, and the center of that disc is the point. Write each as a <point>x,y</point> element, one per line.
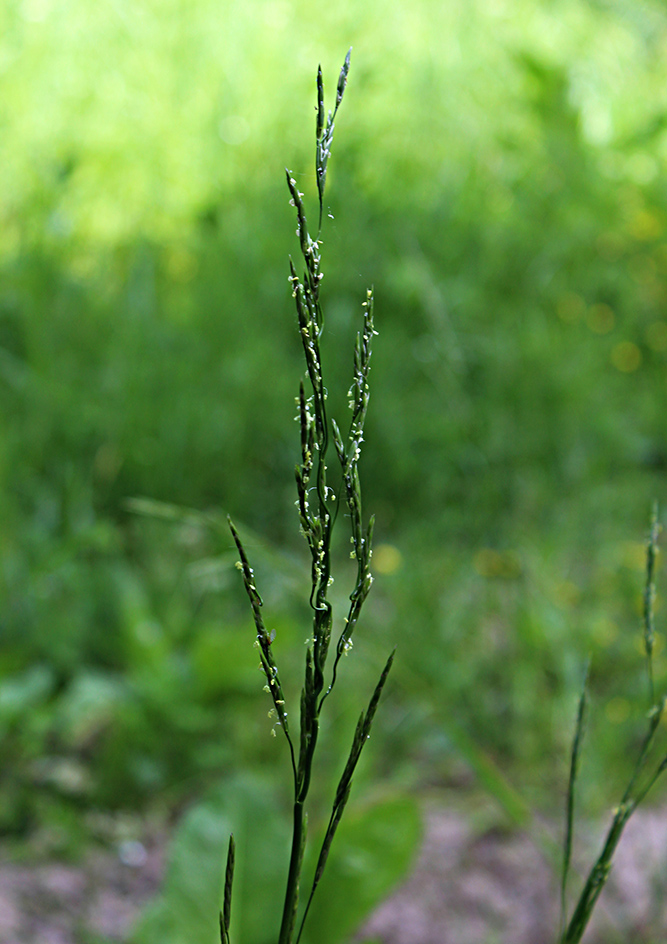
<point>499,176</point>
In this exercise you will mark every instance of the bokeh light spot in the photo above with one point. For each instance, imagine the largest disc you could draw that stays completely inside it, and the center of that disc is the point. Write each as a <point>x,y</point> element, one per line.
<point>626,356</point>
<point>601,319</point>
<point>387,559</point>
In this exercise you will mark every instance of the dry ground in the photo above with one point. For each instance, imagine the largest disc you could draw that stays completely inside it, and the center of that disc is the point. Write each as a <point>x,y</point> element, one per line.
<point>468,887</point>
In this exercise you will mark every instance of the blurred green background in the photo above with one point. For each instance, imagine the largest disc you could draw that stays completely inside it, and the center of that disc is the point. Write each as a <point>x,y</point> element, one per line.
<point>499,176</point>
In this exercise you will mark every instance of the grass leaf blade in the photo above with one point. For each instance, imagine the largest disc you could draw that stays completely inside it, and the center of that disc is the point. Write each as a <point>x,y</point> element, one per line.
<point>226,913</point>
<point>569,822</point>
<point>649,600</point>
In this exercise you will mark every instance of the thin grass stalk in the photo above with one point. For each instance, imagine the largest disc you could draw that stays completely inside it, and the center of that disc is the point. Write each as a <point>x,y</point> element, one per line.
<point>361,736</point>
<point>634,793</point>
<point>599,873</point>
<point>569,820</point>
<point>649,600</point>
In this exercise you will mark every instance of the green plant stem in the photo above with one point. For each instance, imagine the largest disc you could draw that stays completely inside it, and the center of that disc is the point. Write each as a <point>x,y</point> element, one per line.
<point>649,600</point>
<point>599,873</point>
<point>296,858</point>
<point>569,820</point>
<point>361,736</point>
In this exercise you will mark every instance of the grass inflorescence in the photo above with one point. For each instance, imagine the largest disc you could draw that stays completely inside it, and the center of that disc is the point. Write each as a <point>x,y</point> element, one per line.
<point>317,505</point>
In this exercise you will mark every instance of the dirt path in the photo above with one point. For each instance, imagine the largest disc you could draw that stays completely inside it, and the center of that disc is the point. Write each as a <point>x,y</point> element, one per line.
<point>55,903</point>
<point>467,888</point>
<point>497,888</point>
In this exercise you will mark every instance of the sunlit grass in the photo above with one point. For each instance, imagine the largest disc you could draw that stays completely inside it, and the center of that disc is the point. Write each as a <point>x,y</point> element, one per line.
<point>137,117</point>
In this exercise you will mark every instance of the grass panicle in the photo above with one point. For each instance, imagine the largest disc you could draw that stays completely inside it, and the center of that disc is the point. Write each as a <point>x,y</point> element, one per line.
<point>317,507</point>
<point>638,786</point>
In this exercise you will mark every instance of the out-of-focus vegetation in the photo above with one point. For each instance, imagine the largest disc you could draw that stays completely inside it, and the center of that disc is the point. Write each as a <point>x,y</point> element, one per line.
<point>501,181</point>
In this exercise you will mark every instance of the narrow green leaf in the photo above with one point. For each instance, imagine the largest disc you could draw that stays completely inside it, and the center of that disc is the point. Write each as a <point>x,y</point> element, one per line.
<point>569,819</point>
<point>649,599</point>
<point>226,913</point>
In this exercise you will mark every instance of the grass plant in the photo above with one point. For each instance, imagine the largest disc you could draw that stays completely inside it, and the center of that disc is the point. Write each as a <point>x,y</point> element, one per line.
<point>639,784</point>
<point>318,505</point>
<point>484,412</point>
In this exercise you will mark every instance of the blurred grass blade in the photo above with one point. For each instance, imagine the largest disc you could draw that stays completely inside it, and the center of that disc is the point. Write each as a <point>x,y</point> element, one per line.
<point>634,793</point>
<point>226,913</point>
<point>165,511</point>
<point>649,600</point>
<point>569,821</point>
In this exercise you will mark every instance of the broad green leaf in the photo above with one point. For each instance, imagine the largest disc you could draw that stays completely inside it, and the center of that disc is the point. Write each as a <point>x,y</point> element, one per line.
<point>23,692</point>
<point>186,910</point>
<point>374,849</point>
